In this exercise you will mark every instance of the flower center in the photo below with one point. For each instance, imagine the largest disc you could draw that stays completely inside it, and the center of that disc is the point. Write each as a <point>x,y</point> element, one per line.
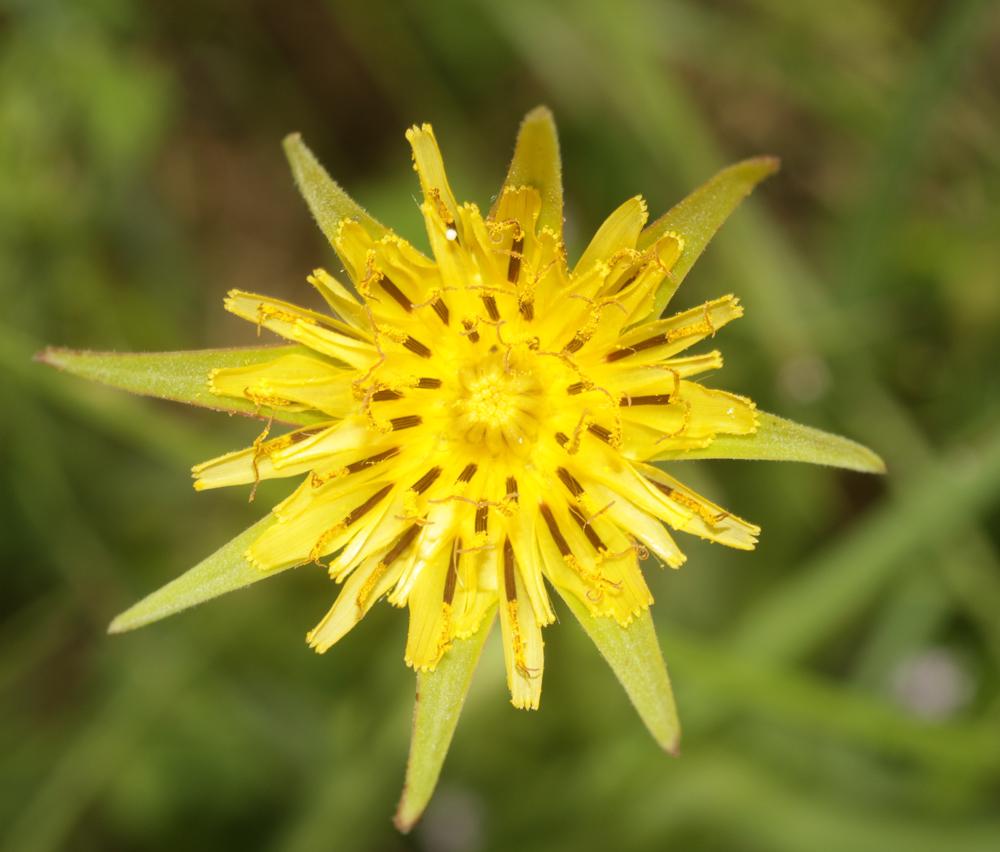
<point>498,405</point>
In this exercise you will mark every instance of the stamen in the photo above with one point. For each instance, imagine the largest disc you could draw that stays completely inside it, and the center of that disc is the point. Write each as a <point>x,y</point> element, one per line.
<point>441,309</point>
<point>514,266</point>
<point>648,343</point>
<point>575,388</point>
<point>468,472</point>
<point>557,535</point>
<point>428,383</point>
<point>482,519</point>
<point>394,291</point>
<point>645,399</point>
<point>383,565</point>
<point>301,434</point>
<point>404,541</point>
<point>357,513</point>
<point>385,395</point>
<point>576,344</point>
<point>426,481</point>
<point>511,488</point>
<point>451,578</point>
<point>588,530</point>
<point>600,432</point>
<point>407,422</point>
<point>570,481</point>
<point>416,347</point>
<point>689,502</point>
<point>562,438</point>
<point>470,331</point>
<point>628,280</point>
<point>527,309</point>
<point>491,307</point>
<point>354,467</point>
<point>509,583</point>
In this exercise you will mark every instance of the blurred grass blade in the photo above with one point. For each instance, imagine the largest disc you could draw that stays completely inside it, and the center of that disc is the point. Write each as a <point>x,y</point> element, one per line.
<point>440,696</point>
<point>701,214</point>
<point>634,655</point>
<point>777,439</point>
<point>329,204</point>
<point>177,376</point>
<point>224,571</point>
<point>537,163</point>
<point>942,502</point>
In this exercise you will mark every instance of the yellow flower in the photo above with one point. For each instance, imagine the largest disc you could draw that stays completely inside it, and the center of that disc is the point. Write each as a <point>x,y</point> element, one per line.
<point>475,429</point>
<point>489,419</point>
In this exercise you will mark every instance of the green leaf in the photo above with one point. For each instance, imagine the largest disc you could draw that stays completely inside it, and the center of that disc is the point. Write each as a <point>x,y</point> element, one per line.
<point>634,655</point>
<point>440,695</point>
<point>536,163</point>
<point>177,376</point>
<point>329,204</point>
<point>700,215</point>
<point>777,439</point>
<point>224,571</point>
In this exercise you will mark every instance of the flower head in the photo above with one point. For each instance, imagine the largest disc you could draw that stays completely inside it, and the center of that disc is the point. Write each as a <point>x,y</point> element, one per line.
<point>475,429</point>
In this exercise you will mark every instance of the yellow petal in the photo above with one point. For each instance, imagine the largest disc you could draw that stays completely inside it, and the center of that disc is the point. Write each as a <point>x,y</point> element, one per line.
<point>317,331</point>
<point>618,232</point>
<point>293,380</point>
<point>536,164</point>
<point>522,634</point>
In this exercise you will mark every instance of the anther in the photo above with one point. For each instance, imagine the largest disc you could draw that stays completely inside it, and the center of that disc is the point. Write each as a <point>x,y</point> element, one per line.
<point>441,309</point>
<point>509,583</point>
<point>386,283</point>
<point>491,307</point>
<point>406,422</point>
<point>645,399</point>
<point>426,481</point>
<point>357,513</point>
<point>370,461</point>
<point>570,481</point>
<point>514,266</point>
<point>416,347</point>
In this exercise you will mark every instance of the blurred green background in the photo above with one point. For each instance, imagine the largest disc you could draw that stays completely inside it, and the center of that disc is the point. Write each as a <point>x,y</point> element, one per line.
<point>838,687</point>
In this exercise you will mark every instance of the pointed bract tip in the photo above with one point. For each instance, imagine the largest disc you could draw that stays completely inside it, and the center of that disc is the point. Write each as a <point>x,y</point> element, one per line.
<point>119,625</point>
<point>291,140</point>
<point>876,464</point>
<point>539,113</point>
<point>50,355</point>
<point>404,819</point>
<point>673,747</point>
<point>766,163</point>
